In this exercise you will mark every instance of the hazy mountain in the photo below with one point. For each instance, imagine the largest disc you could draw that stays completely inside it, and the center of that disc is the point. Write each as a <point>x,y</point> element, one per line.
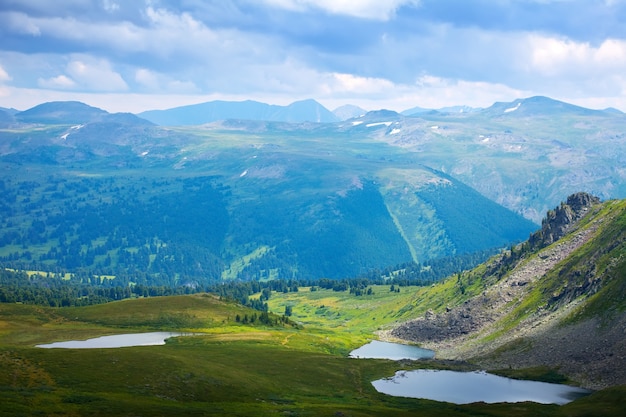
<point>377,115</point>
<point>523,154</point>
<point>452,109</point>
<point>415,110</point>
<point>197,114</point>
<point>6,118</point>
<point>10,111</point>
<point>348,112</point>
<point>221,201</point>
<point>458,109</point>
<point>538,106</point>
<point>540,304</point>
<point>429,186</point>
<point>60,112</point>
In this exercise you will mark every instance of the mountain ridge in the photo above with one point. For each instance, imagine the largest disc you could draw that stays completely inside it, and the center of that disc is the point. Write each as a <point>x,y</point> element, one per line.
<point>558,304</point>
<point>303,172</point>
<point>538,105</point>
<point>197,114</point>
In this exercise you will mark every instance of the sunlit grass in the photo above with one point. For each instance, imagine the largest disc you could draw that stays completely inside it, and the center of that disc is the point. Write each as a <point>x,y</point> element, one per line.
<point>228,369</point>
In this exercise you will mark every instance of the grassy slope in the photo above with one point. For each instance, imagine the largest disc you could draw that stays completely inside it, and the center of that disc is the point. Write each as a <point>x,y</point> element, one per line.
<point>300,186</point>
<point>230,370</point>
<point>603,256</point>
<point>581,300</point>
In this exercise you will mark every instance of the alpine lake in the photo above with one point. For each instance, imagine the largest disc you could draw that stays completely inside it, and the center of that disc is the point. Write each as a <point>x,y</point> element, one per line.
<point>438,385</point>
<point>459,387</point>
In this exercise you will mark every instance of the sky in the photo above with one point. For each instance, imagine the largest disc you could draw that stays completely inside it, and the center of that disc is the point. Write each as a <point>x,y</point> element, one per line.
<point>136,55</point>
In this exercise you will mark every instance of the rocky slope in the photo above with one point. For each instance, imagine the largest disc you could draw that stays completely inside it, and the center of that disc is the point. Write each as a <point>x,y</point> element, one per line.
<point>556,300</point>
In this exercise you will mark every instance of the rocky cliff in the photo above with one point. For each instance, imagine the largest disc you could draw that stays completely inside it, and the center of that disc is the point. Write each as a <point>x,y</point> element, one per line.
<point>557,300</point>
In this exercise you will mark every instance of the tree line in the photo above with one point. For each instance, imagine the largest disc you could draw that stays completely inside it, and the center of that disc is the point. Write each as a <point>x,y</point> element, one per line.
<point>57,290</point>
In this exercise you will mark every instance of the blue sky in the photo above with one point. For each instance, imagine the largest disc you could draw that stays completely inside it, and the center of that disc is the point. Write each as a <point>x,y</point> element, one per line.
<point>135,55</point>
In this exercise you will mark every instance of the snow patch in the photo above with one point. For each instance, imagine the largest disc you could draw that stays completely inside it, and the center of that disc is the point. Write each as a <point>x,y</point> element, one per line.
<point>243,174</point>
<point>64,137</point>
<point>434,127</point>
<point>144,153</point>
<point>358,122</point>
<point>76,127</point>
<point>510,109</point>
<point>378,124</point>
<point>395,131</point>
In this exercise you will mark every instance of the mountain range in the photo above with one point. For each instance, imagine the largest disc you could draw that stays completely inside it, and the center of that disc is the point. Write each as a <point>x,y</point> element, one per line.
<point>196,114</point>
<point>258,199</point>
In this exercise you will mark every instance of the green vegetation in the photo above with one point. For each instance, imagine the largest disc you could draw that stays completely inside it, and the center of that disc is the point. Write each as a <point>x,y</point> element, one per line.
<point>195,205</point>
<point>230,369</point>
<point>274,243</point>
<point>602,258</point>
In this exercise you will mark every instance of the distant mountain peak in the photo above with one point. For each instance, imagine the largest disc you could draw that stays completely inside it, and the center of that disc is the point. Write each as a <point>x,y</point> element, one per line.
<point>60,112</point>
<point>307,110</point>
<point>348,111</point>
<point>537,106</point>
<point>381,114</point>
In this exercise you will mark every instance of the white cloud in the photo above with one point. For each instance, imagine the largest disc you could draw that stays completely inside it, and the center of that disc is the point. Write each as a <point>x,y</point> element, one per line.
<point>110,6</point>
<point>172,32</point>
<point>60,82</point>
<point>147,78</point>
<point>552,56</point>
<point>4,76</point>
<point>363,85</point>
<point>437,92</point>
<point>151,47</point>
<point>95,74</point>
<point>367,9</point>
<point>182,87</point>
<point>21,23</point>
<point>158,83</point>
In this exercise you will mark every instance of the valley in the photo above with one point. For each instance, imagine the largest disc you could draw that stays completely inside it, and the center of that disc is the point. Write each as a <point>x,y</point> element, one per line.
<point>284,246</point>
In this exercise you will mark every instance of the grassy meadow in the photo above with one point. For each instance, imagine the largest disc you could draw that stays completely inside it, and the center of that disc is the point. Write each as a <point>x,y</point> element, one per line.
<point>230,368</point>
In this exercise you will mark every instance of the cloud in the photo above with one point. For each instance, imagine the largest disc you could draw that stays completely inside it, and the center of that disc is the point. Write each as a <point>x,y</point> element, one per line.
<point>397,53</point>
<point>552,56</point>
<point>367,9</point>
<point>20,23</point>
<point>578,69</point>
<point>95,75</point>
<point>61,82</point>
<point>182,87</point>
<point>86,73</point>
<point>110,6</point>
<point>349,83</point>
<point>4,76</point>
<point>147,78</point>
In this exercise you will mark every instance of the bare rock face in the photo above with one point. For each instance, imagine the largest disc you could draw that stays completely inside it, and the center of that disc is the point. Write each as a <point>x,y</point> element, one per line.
<point>481,311</point>
<point>588,350</point>
<point>558,221</point>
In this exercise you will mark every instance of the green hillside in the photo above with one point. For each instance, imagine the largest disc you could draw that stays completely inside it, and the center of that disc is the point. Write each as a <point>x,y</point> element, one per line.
<point>246,200</point>
<point>228,367</point>
<point>561,306</point>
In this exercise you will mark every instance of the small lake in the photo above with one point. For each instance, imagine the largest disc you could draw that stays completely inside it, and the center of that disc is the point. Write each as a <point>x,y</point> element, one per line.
<point>117,341</point>
<point>394,351</point>
<point>468,387</point>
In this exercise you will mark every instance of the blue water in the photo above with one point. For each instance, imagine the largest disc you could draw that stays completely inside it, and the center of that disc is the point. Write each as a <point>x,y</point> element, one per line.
<point>469,387</point>
<point>117,341</point>
<point>394,351</point>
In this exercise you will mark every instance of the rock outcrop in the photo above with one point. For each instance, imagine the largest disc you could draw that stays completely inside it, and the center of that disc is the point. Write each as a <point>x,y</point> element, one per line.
<point>523,316</point>
<point>558,222</point>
